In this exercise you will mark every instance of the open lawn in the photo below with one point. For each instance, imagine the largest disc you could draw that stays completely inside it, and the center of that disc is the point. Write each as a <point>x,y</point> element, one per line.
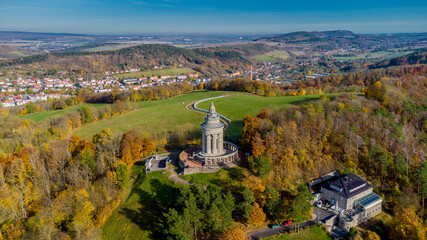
<point>140,211</point>
<point>37,117</point>
<point>154,117</point>
<point>170,71</point>
<point>157,117</point>
<point>272,56</point>
<point>314,233</point>
<point>237,107</point>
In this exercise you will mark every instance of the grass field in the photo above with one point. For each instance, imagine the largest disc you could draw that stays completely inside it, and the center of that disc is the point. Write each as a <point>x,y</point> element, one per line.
<point>137,217</point>
<point>314,233</point>
<point>236,107</point>
<point>157,117</point>
<point>18,53</point>
<point>272,56</point>
<point>375,55</point>
<point>154,117</point>
<point>108,47</point>
<point>298,53</point>
<point>170,71</point>
<point>37,117</point>
<point>359,56</point>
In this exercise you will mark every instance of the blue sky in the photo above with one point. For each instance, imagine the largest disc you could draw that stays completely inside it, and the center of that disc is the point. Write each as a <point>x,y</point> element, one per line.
<point>212,16</point>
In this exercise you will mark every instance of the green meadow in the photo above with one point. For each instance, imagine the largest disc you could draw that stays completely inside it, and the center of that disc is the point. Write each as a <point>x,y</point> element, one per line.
<point>163,116</point>
<point>236,107</point>
<point>272,56</point>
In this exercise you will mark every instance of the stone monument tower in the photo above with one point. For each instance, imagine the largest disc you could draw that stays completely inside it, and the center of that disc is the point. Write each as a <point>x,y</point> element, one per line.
<point>212,134</point>
<point>215,153</point>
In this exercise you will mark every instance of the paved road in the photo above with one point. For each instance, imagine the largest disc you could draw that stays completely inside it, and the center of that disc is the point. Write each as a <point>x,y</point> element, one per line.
<point>268,232</point>
<point>178,179</point>
<point>191,107</point>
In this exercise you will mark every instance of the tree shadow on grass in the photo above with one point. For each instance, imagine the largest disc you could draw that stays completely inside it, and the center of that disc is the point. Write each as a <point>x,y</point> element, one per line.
<point>236,175</point>
<point>153,205</point>
<point>234,130</point>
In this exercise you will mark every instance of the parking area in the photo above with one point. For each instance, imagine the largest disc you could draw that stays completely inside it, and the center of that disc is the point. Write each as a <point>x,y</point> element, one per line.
<point>321,214</point>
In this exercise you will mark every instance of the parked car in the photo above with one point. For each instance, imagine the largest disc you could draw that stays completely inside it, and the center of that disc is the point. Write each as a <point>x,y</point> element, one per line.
<point>274,226</point>
<point>287,223</point>
<point>319,204</point>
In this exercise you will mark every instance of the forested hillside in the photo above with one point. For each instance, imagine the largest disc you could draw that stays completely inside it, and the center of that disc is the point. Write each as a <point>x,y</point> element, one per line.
<point>418,57</point>
<point>213,61</point>
<point>380,136</point>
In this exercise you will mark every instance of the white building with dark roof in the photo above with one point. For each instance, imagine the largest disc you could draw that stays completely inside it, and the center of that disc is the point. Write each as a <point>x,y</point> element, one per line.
<point>349,196</point>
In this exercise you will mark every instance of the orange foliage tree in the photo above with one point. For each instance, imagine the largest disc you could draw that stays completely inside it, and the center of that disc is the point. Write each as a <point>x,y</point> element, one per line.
<point>134,146</point>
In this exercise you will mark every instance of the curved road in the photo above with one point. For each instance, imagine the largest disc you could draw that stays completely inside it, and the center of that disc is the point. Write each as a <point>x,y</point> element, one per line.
<point>192,106</point>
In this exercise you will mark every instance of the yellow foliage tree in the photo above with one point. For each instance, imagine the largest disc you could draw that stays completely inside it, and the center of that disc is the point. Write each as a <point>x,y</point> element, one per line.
<point>407,225</point>
<point>235,234</point>
<point>369,235</point>
<point>257,187</point>
<point>302,92</point>
<point>257,215</point>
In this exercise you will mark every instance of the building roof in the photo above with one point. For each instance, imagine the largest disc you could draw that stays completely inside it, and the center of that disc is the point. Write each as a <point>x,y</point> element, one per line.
<point>369,200</point>
<point>347,185</point>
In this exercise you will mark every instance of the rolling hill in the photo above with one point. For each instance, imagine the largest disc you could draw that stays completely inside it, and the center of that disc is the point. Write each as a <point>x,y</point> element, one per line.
<point>209,61</point>
<point>418,57</point>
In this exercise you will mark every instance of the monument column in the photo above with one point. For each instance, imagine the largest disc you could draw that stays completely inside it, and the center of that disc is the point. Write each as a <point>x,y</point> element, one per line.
<point>214,144</point>
<point>203,142</point>
<point>208,143</point>
<point>221,143</point>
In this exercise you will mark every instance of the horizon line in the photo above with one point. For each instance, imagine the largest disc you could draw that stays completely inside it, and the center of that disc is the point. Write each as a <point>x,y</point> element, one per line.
<point>194,33</point>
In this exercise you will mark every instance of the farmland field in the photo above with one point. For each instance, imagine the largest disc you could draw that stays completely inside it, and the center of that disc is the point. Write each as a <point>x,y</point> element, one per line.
<point>272,56</point>
<point>18,53</point>
<point>157,117</point>
<point>170,71</point>
<point>108,47</point>
<point>374,55</point>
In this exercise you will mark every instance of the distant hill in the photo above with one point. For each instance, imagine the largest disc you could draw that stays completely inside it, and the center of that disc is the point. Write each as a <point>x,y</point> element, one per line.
<point>7,35</point>
<point>302,36</point>
<point>418,57</point>
<point>210,61</point>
